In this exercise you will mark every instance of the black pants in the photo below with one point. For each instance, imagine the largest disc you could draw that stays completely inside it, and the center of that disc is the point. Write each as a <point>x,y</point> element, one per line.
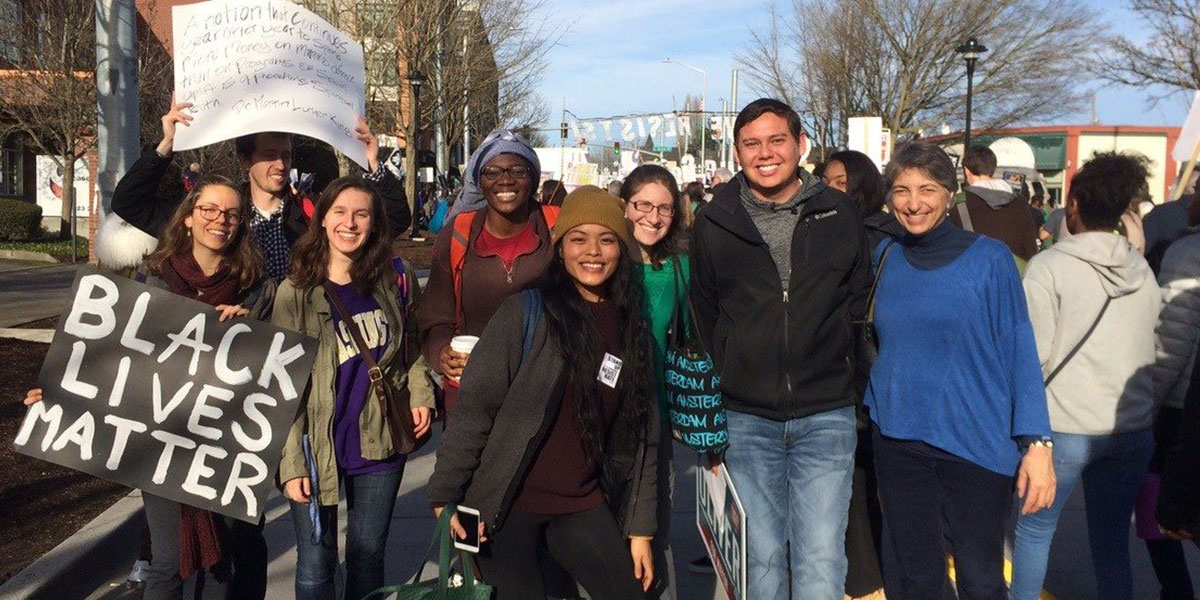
<point>929,500</point>
<point>241,575</point>
<point>1166,556</point>
<point>864,529</point>
<point>588,544</point>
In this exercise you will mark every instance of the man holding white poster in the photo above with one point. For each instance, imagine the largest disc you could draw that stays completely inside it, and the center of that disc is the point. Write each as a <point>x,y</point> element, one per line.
<point>248,66</point>
<point>281,211</point>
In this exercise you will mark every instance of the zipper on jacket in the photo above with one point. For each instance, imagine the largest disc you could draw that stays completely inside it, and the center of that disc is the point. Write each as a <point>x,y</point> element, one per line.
<point>787,373</point>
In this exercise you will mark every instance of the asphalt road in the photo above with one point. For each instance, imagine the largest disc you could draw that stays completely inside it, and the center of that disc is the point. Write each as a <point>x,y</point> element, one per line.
<point>32,291</point>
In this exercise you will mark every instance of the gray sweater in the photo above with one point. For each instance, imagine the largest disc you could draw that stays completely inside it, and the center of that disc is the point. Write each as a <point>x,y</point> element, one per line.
<point>777,222</point>
<point>1107,386</point>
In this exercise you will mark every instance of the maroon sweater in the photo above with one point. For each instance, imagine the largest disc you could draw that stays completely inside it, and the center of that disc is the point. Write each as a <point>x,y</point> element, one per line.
<point>486,282</point>
<point>562,480</point>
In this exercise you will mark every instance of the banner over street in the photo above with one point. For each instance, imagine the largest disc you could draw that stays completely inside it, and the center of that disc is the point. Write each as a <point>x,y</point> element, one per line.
<point>266,65</point>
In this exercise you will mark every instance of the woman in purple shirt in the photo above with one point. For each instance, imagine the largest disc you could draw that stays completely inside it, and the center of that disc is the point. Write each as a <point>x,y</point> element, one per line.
<point>341,437</point>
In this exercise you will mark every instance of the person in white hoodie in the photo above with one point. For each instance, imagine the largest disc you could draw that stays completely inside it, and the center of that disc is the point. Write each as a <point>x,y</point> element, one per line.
<point>1094,303</point>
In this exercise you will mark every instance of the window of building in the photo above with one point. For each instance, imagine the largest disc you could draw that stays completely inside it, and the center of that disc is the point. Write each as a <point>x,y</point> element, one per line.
<point>11,180</point>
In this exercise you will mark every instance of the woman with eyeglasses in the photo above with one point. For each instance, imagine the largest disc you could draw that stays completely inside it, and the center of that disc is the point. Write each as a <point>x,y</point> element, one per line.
<point>656,213</point>
<point>496,242</point>
<point>205,253</point>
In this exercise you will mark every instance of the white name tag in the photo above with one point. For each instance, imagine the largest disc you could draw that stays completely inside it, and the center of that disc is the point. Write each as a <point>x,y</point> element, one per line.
<point>610,370</point>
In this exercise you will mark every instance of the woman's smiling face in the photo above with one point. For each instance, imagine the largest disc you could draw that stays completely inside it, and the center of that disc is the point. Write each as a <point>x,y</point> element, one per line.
<point>590,254</point>
<point>919,202</point>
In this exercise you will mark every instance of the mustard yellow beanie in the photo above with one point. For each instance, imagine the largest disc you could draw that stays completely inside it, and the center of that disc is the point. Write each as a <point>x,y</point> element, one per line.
<point>590,204</point>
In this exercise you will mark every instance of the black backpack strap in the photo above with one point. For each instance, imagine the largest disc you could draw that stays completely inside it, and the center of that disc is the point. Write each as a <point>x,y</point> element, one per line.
<point>1079,345</point>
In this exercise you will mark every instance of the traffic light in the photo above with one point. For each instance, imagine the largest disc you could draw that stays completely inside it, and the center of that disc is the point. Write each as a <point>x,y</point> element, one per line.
<point>617,148</point>
<point>562,128</point>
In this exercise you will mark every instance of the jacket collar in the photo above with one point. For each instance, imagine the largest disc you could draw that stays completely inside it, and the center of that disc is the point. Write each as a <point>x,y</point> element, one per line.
<point>726,210</point>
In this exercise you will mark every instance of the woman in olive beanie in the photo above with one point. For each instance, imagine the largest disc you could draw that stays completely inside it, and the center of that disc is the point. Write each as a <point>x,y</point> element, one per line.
<point>555,451</point>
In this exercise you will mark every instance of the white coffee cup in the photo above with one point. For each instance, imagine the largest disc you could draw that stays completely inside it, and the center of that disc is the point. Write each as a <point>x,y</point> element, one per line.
<point>463,343</point>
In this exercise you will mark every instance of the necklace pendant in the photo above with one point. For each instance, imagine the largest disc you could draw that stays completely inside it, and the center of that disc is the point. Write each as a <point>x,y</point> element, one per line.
<point>509,276</point>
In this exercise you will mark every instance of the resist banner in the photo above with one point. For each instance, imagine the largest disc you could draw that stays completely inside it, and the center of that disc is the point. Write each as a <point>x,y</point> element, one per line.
<point>266,65</point>
<point>147,389</point>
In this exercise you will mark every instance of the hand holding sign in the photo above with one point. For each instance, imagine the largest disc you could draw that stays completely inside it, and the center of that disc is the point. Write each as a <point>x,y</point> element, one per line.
<point>170,122</point>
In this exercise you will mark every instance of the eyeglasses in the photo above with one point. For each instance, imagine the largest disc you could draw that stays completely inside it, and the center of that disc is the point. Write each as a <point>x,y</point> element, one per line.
<point>494,173</point>
<point>645,206</point>
<point>212,213</point>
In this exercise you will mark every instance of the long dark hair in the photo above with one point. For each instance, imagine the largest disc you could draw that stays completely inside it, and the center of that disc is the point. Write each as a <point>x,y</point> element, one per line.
<point>241,255</point>
<point>572,326</point>
<point>310,256</point>
<point>675,242</point>
<point>864,182</point>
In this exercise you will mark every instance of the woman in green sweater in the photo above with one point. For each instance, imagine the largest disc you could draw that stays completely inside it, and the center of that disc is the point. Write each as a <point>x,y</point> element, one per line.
<point>655,211</point>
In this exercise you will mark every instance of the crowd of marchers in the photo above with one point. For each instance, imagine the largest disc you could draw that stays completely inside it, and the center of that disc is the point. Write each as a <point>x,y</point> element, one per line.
<point>902,364</point>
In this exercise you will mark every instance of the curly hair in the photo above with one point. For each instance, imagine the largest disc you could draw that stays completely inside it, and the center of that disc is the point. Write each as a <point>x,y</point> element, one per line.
<point>675,241</point>
<point>241,254</point>
<point>1105,186</point>
<point>310,256</point>
<point>571,325</point>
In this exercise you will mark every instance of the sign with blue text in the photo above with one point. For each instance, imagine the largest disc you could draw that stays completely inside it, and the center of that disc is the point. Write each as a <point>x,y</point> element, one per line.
<point>148,389</point>
<point>722,524</point>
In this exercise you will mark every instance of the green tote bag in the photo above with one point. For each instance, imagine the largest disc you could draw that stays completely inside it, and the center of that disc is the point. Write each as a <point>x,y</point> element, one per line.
<point>439,588</point>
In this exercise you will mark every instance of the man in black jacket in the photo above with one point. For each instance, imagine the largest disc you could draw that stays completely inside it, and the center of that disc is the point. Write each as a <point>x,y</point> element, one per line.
<point>780,269</point>
<point>278,215</point>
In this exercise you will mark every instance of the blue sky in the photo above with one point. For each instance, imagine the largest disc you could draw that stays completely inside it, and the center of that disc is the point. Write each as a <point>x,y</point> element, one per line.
<point>609,61</point>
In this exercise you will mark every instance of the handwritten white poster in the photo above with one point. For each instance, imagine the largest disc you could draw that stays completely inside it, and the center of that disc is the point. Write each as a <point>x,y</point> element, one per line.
<point>1189,137</point>
<point>266,65</point>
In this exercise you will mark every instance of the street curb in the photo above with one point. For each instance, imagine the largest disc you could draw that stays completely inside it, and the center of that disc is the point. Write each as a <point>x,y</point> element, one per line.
<point>27,255</point>
<point>73,568</point>
<point>41,336</point>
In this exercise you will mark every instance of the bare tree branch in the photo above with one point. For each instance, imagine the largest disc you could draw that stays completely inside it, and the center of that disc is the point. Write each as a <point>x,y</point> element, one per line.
<point>1170,57</point>
<point>895,59</point>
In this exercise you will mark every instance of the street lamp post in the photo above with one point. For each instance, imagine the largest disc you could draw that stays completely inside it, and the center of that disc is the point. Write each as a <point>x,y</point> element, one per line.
<point>703,105</point>
<point>970,51</point>
<point>415,79</point>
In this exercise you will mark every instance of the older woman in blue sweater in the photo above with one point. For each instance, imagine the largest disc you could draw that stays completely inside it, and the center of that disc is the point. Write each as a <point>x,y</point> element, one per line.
<point>956,397</point>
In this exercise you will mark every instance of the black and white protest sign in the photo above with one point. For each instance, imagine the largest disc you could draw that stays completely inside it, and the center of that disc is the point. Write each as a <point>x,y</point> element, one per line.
<point>266,65</point>
<point>148,389</point>
<point>722,523</point>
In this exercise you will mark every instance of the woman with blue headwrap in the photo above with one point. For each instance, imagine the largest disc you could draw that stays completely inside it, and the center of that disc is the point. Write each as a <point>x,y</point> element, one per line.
<point>496,242</point>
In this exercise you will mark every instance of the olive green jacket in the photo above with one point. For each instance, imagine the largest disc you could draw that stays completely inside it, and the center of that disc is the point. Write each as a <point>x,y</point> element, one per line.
<point>308,311</point>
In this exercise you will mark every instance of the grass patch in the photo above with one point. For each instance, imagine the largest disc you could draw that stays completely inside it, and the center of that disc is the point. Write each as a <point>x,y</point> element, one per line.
<point>60,249</point>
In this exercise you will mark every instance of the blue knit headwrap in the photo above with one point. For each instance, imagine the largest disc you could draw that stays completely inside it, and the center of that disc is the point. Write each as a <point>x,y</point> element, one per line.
<point>500,141</point>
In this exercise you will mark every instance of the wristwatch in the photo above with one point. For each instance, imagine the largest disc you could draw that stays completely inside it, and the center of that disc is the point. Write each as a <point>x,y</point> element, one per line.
<point>1036,440</point>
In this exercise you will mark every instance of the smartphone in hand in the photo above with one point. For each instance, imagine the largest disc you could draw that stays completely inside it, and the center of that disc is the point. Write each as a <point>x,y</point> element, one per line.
<point>469,519</point>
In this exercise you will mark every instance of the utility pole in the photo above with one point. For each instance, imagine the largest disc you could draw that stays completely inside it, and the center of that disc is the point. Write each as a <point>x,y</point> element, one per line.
<point>116,96</point>
<point>733,106</point>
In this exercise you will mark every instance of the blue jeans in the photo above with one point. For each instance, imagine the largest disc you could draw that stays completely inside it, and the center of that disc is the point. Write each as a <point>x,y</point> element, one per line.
<point>369,502</point>
<point>794,481</point>
<point>1112,467</point>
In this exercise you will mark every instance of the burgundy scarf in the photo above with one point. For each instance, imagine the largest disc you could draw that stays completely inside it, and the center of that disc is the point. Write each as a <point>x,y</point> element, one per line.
<point>199,537</point>
<point>184,277</point>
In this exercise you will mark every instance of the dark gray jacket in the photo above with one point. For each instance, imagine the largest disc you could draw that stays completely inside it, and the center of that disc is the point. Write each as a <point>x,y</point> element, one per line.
<point>506,407</point>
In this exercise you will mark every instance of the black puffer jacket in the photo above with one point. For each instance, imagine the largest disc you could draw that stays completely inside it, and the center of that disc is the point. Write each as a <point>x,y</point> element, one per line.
<point>781,354</point>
